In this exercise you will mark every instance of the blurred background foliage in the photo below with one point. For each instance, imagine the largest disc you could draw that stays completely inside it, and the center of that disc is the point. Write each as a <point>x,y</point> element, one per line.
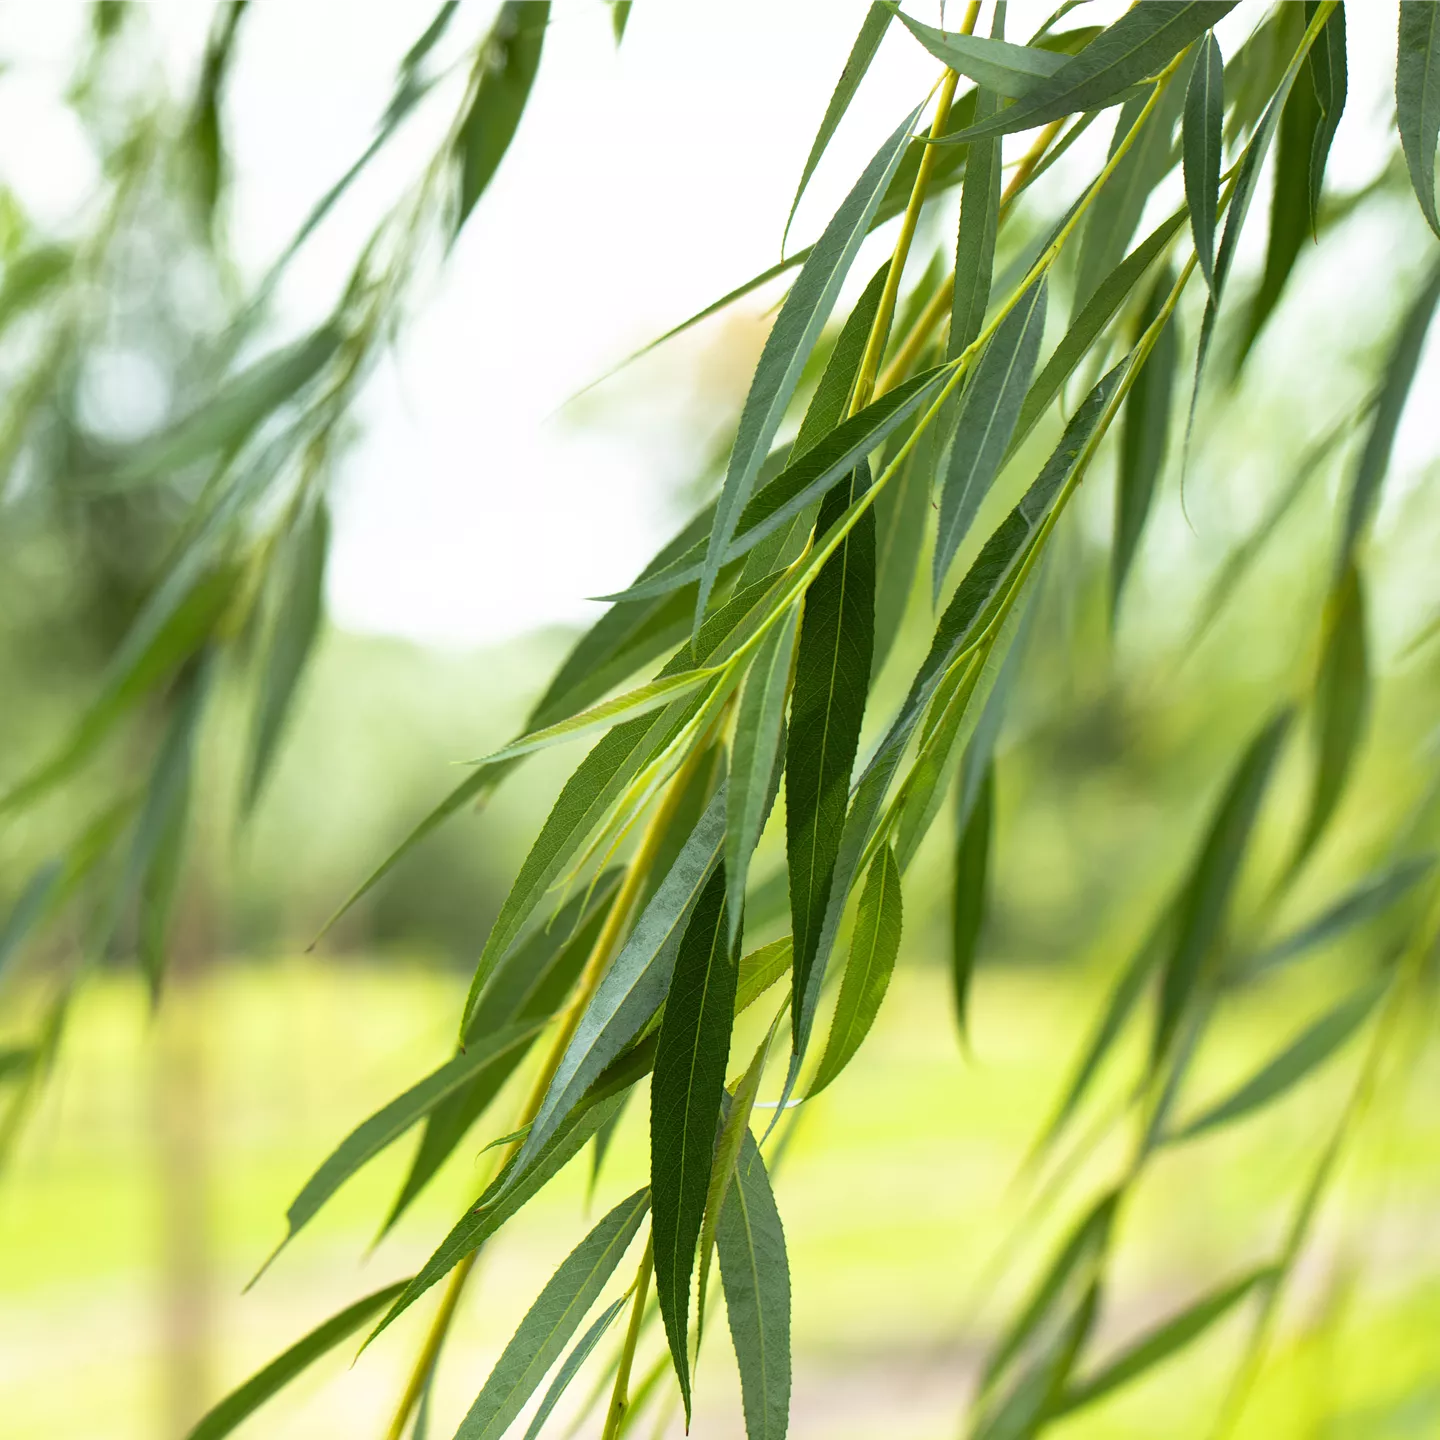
<point>146,1180</point>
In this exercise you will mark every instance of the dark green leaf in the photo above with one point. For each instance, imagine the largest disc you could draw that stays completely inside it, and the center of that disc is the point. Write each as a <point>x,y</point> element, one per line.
<point>1202,907</point>
<point>552,1320</point>
<point>902,509</point>
<point>1417,98</point>
<point>1011,71</point>
<point>967,900</point>
<point>1329,77</point>
<point>1202,142</point>
<point>1135,47</point>
<point>832,681</point>
<point>690,1061</point>
<point>862,52</point>
<point>873,949</point>
<point>1304,1054</point>
<point>788,346</point>
<point>584,1345</point>
<point>759,725</point>
<point>637,981</point>
<point>756,1276</point>
<point>30,907</point>
<point>203,130</point>
<point>301,603</point>
<point>241,1403</point>
<point>504,72</point>
<point>1144,436</point>
<point>1163,1341</point>
<point>988,413</point>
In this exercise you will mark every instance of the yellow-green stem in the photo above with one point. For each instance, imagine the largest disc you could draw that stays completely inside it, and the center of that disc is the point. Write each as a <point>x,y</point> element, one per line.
<point>619,1396</point>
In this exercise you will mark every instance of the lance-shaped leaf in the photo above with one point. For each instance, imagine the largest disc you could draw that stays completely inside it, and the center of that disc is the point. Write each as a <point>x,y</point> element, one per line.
<point>968,892</point>
<point>1011,71</point>
<point>862,52</point>
<point>756,1276</point>
<point>391,1121</point>
<point>1417,98</point>
<point>619,19</point>
<point>1329,76</point>
<point>690,1061</point>
<point>1306,1053</point>
<point>902,513</point>
<point>578,1356</point>
<point>760,969</point>
<point>299,609</point>
<point>1342,706</point>
<point>1134,48</point>
<point>832,681</point>
<point>529,986</point>
<point>992,570</point>
<point>1163,1341</point>
<point>1204,903</point>
<point>1144,436</point>
<point>788,346</point>
<point>241,1403</point>
<point>504,1197</point>
<point>979,220</point>
<point>30,907</point>
<point>873,949</point>
<point>759,725</point>
<point>552,1320</point>
<point>207,151</point>
<point>504,72</point>
<point>987,421</point>
<point>1400,368</point>
<point>638,979</point>
<point>1202,140</point>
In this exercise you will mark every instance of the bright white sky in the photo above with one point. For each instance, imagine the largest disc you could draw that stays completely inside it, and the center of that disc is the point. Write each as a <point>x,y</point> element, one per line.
<point>643,183</point>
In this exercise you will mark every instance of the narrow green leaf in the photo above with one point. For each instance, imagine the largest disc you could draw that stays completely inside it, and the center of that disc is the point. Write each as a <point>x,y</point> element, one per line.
<point>297,620</point>
<point>203,130</point>
<point>1417,98</point>
<point>552,1320</point>
<point>967,900</point>
<point>760,969</point>
<point>862,52</point>
<point>391,1121</point>
<point>1144,437</point>
<point>1330,79</point>
<point>619,19</point>
<point>832,681</point>
<point>1202,141</point>
<point>1203,905</point>
<point>690,1061</point>
<point>788,346</point>
<point>1011,71</point>
<point>1303,1055</point>
<point>902,512</point>
<point>1342,706</point>
<point>756,1275</point>
<point>1134,48</point>
<point>241,1403</point>
<point>867,974</point>
<point>1400,368</point>
<point>759,726</point>
<point>588,1341</point>
<point>1159,1344</point>
<point>30,907</point>
<point>637,981</point>
<point>988,413</point>
<point>504,72</point>
<point>29,277</point>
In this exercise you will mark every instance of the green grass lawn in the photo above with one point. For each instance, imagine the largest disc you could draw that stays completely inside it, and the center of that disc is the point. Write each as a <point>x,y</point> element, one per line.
<point>898,1194</point>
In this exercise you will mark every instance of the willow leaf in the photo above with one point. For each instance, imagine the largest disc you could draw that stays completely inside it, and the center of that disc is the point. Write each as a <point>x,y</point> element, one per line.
<point>1201,910</point>
<point>1163,1341</point>
<point>862,52</point>
<point>1144,437</point>
<point>1202,141</point>
<point>552,1320</point>
<point>1417,99</point>
<point>788,346</point>
<point>1134,48</point>
<point>967,896</point>
<point>873,949</point>
<point>583,1346</point>
<point>30,907</point>
<point>1330,78</point>
<point>504,73</point>
<point>902,510</point>
<point>1305,1054</point>
<point>1011,71</point>
<point>241,1403</point>
<point>760,969</point>
<point>756,1276</point>
<point>637,981</point>
<point>832,682</point>
<point>690,1061</point>
<point>759,724</point>
<point>987,420</point>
